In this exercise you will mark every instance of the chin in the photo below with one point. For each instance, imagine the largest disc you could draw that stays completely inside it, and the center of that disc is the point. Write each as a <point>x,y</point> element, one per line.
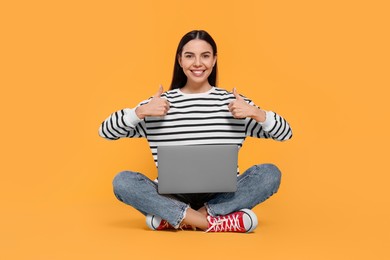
<point>198,80</point>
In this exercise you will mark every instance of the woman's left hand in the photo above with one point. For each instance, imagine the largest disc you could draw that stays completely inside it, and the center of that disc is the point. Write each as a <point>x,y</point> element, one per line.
<point>241,109</point>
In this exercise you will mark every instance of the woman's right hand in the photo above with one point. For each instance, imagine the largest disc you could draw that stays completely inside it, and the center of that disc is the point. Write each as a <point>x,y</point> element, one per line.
<point>157,106</point>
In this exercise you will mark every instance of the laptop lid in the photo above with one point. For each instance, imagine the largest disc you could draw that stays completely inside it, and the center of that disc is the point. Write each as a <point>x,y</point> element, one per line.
<point>197,169</point>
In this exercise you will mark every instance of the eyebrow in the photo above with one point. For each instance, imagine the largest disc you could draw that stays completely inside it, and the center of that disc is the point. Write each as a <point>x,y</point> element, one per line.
<point>188,52</point>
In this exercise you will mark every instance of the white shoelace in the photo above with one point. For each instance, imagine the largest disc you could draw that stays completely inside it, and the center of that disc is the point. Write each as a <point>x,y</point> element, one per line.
<point>224,223</point>
<point>186,227</point>
<point>165,225</point>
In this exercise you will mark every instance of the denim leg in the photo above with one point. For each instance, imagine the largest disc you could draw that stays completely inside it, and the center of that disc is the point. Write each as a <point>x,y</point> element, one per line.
<point>138,191</point>
<point>254,186</point>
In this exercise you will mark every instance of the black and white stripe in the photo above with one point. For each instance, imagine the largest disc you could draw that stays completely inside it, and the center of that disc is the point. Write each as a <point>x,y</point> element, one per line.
<point>194,120</point>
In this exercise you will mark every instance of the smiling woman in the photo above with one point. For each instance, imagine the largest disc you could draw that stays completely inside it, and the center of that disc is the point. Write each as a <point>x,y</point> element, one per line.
<point>196,56</point>
<point>197,61</point>
<point>196,112</point>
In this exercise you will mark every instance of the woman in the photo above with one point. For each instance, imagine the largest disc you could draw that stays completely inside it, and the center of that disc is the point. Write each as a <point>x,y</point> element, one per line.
<point>193,112</point>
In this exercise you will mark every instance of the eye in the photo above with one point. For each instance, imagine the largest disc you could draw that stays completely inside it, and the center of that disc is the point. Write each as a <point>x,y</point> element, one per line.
<point>188,56</point>
<point>206,56</point>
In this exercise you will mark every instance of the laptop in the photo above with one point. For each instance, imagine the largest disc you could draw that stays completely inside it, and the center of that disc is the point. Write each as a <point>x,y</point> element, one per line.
<point>197,169</point>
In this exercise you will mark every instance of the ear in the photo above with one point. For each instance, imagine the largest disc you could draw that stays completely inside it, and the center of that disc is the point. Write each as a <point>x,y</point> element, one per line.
<point>179,59</point>
<point>215,60</point>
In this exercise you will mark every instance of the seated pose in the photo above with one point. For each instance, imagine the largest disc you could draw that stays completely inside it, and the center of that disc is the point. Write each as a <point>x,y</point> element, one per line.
<point>195,112</point>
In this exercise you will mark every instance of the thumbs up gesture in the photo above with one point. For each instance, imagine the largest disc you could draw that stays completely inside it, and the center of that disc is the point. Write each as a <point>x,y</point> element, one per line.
<point>240,108</point>
<point>157,106</point>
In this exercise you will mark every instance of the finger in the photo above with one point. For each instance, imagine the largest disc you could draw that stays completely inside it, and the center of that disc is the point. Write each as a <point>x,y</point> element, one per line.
<point>236,95</point>
<point>232,103</point>
<point>159,92</point>
<point>234,113</point>
<point>167,105</point>
<point>166,109</point>
<point>162,111</point>
<point>237,114</point>
<point>232,110</point>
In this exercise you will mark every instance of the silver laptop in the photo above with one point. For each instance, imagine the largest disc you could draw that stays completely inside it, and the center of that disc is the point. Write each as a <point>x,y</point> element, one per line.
<point>197,169</point>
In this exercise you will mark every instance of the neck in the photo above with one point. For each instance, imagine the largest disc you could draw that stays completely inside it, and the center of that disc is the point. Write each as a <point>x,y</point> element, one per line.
<point>196,88</point>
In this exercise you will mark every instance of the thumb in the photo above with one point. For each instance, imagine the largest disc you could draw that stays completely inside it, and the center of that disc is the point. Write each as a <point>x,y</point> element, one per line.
<point>159,92</point>
<point>235,93</point>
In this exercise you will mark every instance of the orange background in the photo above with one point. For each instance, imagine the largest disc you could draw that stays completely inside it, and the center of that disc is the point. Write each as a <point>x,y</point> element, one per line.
<point>66,65</point>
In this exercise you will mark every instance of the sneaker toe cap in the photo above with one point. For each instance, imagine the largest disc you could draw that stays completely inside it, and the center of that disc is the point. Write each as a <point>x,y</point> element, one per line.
<point>249,220</point>
<point>153,221</point>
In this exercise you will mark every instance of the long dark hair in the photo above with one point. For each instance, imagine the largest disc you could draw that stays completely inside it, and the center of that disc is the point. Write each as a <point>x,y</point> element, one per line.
<point>179,79</point>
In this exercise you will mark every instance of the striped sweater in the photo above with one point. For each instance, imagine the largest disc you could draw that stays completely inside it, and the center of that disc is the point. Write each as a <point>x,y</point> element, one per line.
<point>194,119</point>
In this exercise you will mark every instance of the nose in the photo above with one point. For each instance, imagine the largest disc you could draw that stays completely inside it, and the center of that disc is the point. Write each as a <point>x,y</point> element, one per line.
<point>197,62</point>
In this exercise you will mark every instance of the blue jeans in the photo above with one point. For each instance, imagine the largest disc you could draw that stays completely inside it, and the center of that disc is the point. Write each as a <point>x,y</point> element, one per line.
<point>254,186</point>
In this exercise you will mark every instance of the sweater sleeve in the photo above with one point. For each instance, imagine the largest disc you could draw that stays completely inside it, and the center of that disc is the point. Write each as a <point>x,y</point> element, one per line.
<point>275,127</point>
<point>122,123</point>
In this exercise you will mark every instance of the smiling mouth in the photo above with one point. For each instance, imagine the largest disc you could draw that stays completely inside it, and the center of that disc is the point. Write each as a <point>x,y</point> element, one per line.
<point>198,72</point>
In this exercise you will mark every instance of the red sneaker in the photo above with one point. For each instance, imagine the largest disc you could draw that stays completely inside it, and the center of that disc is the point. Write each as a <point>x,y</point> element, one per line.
<point>187,227</point>
<point>243,221</point>
<point>155,222</point>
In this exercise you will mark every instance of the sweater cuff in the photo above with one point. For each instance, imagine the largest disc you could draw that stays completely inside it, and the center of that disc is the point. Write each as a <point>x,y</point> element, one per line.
<point>130,117</point>
<point>269,121</point>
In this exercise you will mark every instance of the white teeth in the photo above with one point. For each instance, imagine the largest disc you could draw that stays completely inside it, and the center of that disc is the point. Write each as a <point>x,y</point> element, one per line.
<point>197,72</point>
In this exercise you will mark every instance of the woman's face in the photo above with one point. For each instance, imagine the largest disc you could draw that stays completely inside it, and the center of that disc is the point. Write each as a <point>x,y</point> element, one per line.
<point>197,60</point>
